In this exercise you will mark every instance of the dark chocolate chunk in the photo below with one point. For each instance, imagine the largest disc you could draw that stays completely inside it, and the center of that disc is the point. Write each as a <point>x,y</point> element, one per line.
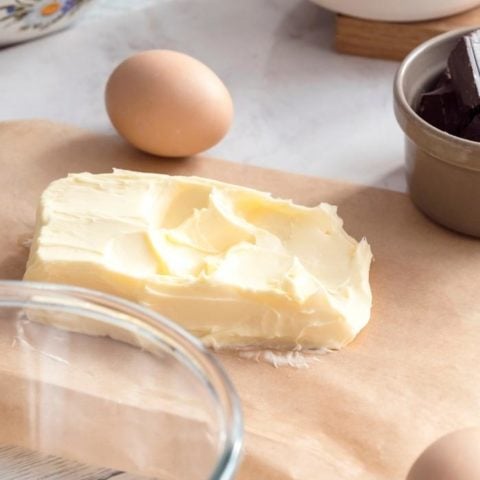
<point>472,130</point>
<point>443,80</point>
<point>443,109</point>
<point>451,101</point>
<point>464,67</point>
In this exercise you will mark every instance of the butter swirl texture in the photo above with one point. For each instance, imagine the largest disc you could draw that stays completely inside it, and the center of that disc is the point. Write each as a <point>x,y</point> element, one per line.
<point>233,265</point>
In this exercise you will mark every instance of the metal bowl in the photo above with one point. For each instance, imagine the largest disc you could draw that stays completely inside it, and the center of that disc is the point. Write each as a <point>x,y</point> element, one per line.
<point>443,171</point>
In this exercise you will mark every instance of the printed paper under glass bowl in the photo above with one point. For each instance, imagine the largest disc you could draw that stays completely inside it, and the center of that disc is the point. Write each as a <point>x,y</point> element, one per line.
<point>127,391</point>
<point>22,20</point>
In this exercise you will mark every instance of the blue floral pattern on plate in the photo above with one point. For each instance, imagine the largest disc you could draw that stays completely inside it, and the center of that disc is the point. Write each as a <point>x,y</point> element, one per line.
<point>37,14</point>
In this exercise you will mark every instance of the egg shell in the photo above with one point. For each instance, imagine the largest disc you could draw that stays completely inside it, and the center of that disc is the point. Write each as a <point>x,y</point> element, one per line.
<point>168,103</point>
<point>455,456</point>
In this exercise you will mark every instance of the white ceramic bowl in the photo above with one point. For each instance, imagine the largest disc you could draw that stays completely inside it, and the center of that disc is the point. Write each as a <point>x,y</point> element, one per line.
<point>398,10</point>
<point>22,20</point>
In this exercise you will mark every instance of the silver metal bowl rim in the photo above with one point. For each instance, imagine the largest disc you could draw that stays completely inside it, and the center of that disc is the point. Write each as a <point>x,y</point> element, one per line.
<point>229,460</point>
<point>402,106</point>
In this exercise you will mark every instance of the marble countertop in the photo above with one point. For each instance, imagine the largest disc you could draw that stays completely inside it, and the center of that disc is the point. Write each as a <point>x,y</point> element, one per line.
<point>300,106</point>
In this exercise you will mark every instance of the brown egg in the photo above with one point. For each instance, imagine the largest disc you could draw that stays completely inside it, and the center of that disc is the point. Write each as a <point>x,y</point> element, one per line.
<point>168,103</point>
<point>455,456</point>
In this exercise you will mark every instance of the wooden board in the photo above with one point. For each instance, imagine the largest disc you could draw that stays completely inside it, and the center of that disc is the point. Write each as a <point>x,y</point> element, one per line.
<point>363,413</point>
<point>393,41</point>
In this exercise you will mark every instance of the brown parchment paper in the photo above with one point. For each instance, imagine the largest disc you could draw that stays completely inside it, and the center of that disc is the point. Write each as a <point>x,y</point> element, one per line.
<point>362,413</point>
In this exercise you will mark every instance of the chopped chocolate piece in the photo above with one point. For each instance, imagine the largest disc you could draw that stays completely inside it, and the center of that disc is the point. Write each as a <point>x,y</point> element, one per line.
<point>443,80</point>
<point>443,109</point>
<point>464,67</point>
<point>472,130</point>
<point>451,101</point>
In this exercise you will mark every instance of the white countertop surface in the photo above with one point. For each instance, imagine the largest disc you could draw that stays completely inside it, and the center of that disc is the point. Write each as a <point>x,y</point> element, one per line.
<point>300,106</point>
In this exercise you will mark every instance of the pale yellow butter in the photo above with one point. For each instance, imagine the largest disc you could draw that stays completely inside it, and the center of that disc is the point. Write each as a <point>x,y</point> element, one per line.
<point>233,265</point>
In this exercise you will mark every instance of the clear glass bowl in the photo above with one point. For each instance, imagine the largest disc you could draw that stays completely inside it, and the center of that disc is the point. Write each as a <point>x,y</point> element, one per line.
<point>102,381</point>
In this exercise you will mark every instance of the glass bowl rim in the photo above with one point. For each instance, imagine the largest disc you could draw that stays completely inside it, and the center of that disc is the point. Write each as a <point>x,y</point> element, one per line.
<point>229,459</point>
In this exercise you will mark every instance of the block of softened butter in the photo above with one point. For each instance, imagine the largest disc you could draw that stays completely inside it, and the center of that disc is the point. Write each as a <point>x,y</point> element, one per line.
<point>233,265</point>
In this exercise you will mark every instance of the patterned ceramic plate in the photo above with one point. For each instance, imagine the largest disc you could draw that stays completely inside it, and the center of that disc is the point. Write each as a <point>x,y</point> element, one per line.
<point>26,19</point>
